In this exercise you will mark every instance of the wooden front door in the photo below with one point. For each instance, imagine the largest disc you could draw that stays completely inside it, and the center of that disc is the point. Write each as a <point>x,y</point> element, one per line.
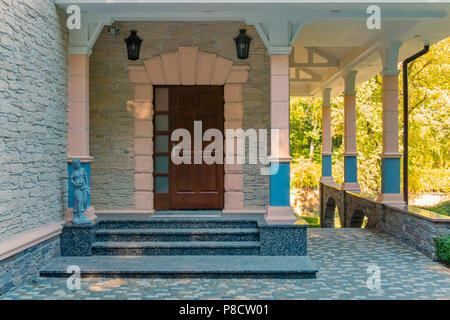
<point>194,186</point>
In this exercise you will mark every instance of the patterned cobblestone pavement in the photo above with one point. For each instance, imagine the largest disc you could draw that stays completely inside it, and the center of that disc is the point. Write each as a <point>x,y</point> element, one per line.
<point>343,256</point>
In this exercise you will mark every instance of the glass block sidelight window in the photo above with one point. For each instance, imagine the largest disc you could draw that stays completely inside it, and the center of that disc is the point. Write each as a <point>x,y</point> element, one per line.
<point>162,122</point>
<point>161,145</point>
<point>162,184</point>
<point>161,164</point>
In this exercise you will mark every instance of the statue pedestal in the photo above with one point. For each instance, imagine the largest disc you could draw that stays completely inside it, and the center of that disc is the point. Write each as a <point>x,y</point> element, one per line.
<point>90,214</point>
<point>76,239</point>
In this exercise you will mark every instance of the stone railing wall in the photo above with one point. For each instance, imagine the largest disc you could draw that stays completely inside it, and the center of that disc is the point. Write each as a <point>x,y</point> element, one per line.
<point>413,226</point>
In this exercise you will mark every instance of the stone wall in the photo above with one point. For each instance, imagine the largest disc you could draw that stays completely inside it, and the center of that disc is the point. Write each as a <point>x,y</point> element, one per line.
<point>111,118</point>
<point>17,269</point>
<point>33,115</point>
<point>415,227</point>
<point>412,229</point>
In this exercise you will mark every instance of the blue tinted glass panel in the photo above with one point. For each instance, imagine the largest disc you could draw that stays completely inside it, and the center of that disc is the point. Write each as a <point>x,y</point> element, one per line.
<point>162,184</point>
<point>162,122</point>
<point>162,143</point>
<point>161,164</point>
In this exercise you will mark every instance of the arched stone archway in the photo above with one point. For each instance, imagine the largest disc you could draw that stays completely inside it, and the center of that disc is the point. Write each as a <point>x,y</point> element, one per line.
<point>335,200</point>
<point>187,66</point>
<point>357,219</point>
<point>329,214</point>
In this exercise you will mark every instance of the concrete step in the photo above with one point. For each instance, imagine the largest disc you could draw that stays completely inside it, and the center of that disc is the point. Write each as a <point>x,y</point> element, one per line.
<point>282,267</point>
<point>208,234</point>
<point>176,223</point>
<point>114,248</point>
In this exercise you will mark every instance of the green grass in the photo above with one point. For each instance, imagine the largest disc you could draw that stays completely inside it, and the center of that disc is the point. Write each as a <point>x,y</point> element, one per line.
<point>314,222</point>
<point>442,208</point>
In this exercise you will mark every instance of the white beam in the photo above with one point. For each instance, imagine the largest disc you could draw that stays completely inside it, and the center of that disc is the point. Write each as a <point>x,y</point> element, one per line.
<point>314,76</point>
<point>82,41</point>
<point>278,34</point>
<point>351,60</point>
<point>331,61</point>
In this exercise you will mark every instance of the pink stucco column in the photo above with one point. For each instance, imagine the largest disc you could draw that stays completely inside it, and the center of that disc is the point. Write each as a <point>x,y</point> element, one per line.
<point>350,152</point>
<point>327,176</point>
<point>279,210</point>
<point>390,158</point>
<point>78,119</point>
<point>78,116</point>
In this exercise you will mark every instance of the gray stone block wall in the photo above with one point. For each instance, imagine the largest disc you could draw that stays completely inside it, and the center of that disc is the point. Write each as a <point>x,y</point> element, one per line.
<point>33,115</point>
<point>413,230</point>
<point>23,266</point>
<point>112,122</point>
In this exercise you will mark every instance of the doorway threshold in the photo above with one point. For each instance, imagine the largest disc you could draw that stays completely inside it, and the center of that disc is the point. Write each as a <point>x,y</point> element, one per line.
<point>187,213</point>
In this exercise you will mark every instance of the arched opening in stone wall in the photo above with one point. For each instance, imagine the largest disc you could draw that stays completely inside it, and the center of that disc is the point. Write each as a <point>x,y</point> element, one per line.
<point>359,219</point>
<point>331,216</point>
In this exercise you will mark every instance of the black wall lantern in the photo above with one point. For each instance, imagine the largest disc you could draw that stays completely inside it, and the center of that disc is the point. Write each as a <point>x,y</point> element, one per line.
<point>242,44</point>
<point>133,45</point>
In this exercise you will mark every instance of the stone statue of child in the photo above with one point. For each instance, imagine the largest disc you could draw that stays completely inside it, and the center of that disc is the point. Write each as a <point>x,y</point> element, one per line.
<point>80,192</point>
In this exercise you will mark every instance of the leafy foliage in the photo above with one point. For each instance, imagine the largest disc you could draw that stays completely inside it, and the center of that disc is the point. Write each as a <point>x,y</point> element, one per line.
<point>429,129</point>
<point>442,249</point>
<point>305,174</point>
<point>306,142</point>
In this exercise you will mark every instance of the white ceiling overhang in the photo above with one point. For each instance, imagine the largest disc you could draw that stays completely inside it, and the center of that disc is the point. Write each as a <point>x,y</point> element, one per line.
<point>333,32</point>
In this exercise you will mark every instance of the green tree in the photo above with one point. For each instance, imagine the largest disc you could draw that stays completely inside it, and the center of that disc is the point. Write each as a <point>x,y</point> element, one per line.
<point>429,128</point>
<point>429,122</point>
<point>305,130</point>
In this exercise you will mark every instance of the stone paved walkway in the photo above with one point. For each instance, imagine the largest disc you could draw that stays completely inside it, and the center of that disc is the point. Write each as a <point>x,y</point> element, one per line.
<point>342,255</point>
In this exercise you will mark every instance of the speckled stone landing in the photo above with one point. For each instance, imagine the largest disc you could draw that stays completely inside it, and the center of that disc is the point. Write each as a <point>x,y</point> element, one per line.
<point>167,233</point>
<point>281,267</point>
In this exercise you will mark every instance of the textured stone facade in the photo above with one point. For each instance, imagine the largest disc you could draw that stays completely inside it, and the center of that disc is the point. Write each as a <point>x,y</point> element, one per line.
<point>414,230</point>
<point>33,115</point>
<point>415,227</point>
<point>17,269</point>
<point>112,119</point>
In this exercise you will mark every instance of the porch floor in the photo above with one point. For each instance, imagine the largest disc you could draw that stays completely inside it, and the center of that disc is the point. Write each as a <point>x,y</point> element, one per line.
<point>342,255</point>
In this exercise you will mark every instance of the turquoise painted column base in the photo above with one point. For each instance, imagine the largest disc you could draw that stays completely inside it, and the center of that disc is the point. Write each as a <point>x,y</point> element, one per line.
<point>390,182</point>
<point>351,174</point>
<point>390,175</point>
<point>326,166</point>
<point>327,176</point>
<point>280,210</point>
<point>280,184</point>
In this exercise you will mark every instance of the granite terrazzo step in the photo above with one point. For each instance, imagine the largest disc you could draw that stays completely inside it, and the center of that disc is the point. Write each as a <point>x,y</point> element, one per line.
<point>208,234</point>
<point>281,267</point>
<point>114,248</point>
<point>176,223</point>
